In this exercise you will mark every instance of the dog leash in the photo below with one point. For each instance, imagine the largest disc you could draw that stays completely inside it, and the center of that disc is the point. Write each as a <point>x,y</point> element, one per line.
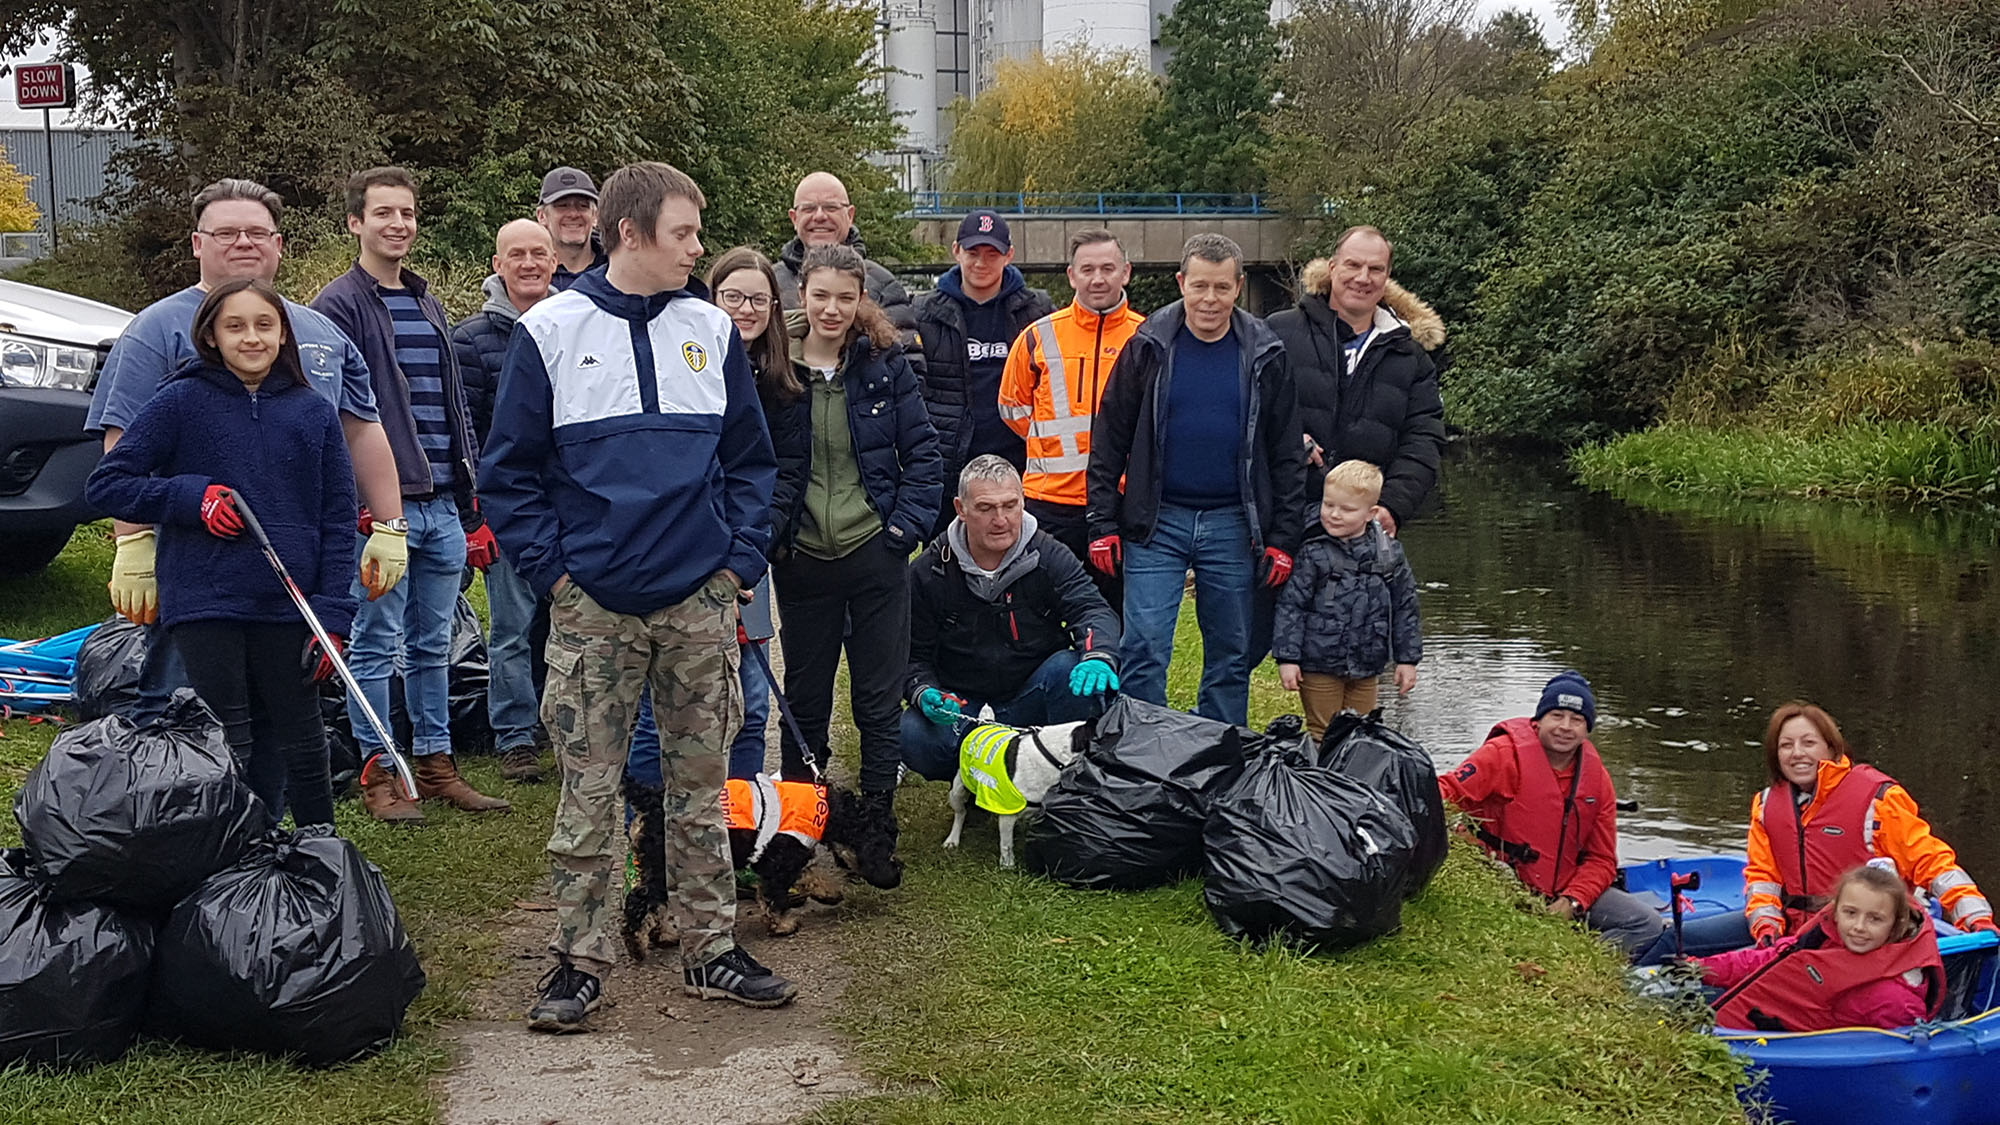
<point>785,709</point>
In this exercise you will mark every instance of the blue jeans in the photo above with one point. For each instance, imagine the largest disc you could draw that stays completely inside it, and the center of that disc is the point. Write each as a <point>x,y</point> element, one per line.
<point>1700,937</point>
<point>1216,545</point>
<point>746,754</point>
<point>511,700</point>
<point>410,626</point>
<point>931,751</point>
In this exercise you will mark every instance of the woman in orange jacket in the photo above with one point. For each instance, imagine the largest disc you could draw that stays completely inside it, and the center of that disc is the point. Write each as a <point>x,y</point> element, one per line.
<point>1822,815</point>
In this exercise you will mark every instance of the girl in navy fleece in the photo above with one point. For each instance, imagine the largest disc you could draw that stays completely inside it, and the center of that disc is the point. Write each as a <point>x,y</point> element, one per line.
<point>242,419</point>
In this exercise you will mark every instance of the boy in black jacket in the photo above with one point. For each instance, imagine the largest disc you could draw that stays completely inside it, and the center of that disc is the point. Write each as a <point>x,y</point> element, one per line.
<point>1350,607</point>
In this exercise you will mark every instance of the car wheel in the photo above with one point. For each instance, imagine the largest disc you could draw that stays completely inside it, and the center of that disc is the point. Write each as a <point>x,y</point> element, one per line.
<point>28,554</point>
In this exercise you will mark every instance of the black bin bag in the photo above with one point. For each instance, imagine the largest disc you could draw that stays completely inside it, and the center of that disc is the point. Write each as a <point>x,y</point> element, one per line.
<point>297,950</point>
<point>106,680</point>
<point>1399,768</point>
<point>470,672</point>
<point>136,817</point>
<point>72,975</point>
<point>1127,814</point>
<point>1296,850</point>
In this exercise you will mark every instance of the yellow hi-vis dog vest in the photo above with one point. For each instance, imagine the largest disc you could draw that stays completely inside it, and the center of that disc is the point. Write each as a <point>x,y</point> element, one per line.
<point>982,762</point>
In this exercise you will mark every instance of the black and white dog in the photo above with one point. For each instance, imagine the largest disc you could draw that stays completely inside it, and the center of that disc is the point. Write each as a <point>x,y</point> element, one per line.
<point>1031,759</point>
<point>775,829</point>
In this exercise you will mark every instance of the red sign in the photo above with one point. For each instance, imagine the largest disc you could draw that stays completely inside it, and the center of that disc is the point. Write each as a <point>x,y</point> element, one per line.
<point>45,86</point>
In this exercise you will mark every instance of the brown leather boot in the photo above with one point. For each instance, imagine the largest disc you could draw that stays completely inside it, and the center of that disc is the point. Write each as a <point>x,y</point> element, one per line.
<point>384,799</point>
<point>437,776</point>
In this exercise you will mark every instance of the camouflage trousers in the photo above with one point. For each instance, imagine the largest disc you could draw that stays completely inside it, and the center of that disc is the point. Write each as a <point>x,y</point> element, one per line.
<point>598,661</point>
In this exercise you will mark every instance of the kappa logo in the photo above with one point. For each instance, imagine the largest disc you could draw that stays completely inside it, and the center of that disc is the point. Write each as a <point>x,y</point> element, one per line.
<point>695,354</point>
<point>589,361</point>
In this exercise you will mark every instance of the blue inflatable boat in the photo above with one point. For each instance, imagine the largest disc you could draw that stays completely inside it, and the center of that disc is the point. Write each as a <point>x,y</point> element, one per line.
<point>1942,1072</point>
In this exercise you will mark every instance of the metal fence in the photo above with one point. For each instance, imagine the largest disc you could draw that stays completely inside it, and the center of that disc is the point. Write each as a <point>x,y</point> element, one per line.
<point>943,203</point>
<point>82,167</point>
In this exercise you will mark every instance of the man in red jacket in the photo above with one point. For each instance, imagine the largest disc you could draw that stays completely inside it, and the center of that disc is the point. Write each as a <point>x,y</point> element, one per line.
<point>1544,805</point>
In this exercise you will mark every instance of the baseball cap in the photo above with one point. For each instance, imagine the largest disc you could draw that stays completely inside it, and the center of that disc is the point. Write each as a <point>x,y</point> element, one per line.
<point>984,228</point>
<point>567,181</point>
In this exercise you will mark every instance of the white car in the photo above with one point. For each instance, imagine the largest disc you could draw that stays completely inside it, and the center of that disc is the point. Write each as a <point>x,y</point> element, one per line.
<point>51,346</point>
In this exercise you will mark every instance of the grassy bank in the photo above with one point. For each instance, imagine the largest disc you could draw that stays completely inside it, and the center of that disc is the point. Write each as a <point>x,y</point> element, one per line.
<point>996,997</point>
<point>448,879</point>
<point>1898,460</point>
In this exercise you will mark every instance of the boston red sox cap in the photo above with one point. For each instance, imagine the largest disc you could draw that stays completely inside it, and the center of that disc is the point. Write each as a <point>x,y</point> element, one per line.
<point>984,228</point>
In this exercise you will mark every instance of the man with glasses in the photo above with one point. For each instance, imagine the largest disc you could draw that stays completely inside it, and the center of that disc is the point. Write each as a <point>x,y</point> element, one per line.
<point>567,209</point>
<point>823,216</point>
<point>235,236</point>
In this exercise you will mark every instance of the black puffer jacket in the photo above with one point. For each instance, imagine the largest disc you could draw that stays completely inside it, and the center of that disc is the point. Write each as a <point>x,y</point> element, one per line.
<point>1349,609</point>
<point>480,343</point>
<point>987,648</point>
<point>1389,412</point>
<point>1125,475</point>
<point>941,322</point>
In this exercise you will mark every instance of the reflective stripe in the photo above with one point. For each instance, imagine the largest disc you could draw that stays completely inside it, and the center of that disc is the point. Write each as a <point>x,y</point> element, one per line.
<point>1060,427</point>
<point>1775,890</point>
<point>1016,412</point>
<point>1766,911</point>
<point>1052,358</point>
<point>1971,906</point>
<point>1067,463</point>
<point>765,789</point>
<point>1956,877</point>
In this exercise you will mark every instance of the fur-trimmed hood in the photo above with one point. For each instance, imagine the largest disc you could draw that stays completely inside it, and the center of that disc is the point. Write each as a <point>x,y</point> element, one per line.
<point>1426,326</point>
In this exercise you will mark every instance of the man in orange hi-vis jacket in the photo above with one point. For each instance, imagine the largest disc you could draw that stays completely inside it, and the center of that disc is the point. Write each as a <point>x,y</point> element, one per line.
<point>1055,374</point>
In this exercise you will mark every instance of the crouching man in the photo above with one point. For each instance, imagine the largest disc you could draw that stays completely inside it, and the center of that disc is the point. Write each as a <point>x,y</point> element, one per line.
<point>1001,614</point>
<point>1544,805</point>
<point>630,475</point>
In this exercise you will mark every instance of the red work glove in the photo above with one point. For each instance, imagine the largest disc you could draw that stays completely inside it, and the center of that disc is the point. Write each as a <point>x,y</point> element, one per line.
<point>365,523</point>
<point>1277,567</point>
<point>1982,924</point>
<point>1764,931</point>
<point>481,550</point>
<point>1107,553</point>
<point>218,511</point>
<point>318,662</point>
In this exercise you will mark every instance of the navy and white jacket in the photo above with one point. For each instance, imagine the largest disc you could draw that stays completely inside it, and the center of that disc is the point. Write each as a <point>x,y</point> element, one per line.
<point>628,448</point>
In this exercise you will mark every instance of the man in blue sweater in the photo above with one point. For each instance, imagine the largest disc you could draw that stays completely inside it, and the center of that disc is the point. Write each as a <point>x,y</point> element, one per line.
<point>629,476</point>
<point>400,327</point>
<point>1196,463</point>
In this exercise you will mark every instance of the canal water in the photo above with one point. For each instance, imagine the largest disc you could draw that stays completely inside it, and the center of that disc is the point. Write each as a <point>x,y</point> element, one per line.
<point>1693,620</point>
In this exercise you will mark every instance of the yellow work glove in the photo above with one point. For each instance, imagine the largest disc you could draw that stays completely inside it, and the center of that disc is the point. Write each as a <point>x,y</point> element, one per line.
<point>135,592</point>
<point>384,560</point>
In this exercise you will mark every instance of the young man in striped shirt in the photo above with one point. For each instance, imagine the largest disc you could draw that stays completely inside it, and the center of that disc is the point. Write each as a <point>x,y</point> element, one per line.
<point>403,333</point>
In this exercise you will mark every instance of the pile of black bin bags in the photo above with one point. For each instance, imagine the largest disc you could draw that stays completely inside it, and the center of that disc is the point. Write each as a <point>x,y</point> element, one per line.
<point>152,895</point>
<point>1320,846</point>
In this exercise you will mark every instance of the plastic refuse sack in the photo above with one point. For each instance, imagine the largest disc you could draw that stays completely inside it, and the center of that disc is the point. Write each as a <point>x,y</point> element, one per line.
<point>471,729</point>
<point>1299,851</point>
<point>1398,767</point>
<point>1127,814</point>
<point>296,950</point>
<point>72,975</point>
<point>106,681</point>
<point>137,816</point>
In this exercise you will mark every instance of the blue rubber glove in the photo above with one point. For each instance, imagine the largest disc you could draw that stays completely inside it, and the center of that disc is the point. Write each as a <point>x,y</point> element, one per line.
<point>940,707</point>
<point>1093,677</point>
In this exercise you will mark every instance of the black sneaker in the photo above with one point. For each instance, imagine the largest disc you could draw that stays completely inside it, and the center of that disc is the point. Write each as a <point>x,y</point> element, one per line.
<point>568,995</point>
<point>521,763</point>
<point>737,976</point>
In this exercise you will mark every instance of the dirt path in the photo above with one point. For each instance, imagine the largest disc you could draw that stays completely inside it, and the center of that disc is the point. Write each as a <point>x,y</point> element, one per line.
<point>656,1055</point>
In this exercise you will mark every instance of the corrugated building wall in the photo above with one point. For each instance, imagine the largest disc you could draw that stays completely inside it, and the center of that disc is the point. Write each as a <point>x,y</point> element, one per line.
<point>82,166</point>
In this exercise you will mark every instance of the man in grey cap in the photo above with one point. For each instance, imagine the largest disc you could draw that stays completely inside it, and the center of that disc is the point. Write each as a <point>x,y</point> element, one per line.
<point>568,209</point>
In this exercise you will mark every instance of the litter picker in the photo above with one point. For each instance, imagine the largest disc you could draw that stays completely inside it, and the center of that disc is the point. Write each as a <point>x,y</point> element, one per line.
<point>405,778</point>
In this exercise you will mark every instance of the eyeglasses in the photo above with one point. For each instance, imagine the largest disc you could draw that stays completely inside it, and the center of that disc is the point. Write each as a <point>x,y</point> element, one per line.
<point>736,299</point>
<point>229,236</point>
<point>820,208</point>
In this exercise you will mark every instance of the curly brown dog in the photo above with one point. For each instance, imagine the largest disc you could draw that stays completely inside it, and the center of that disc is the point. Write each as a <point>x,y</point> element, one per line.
<point>771,833</point>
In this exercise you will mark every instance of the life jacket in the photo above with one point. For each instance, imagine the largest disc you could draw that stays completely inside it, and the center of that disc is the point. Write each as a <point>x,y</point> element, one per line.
<point>771,807</point>
<point>1796,990</point>
<point>982,762</point>
<point>1811,857</point>
<point>1543,831</point>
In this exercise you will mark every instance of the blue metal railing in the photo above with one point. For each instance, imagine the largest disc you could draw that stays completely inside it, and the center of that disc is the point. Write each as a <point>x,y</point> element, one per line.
<point>946,203</point>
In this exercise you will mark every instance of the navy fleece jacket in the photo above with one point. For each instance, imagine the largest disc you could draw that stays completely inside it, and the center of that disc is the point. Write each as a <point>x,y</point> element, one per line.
<point>628,448</point>
<point>282,449</point>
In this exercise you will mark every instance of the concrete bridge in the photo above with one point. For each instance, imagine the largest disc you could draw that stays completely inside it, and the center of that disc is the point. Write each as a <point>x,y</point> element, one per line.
<point>1152,226</point>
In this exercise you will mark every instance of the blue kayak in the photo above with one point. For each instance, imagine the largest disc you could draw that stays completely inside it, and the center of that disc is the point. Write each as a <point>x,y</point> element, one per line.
<point>1941,1072</point>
